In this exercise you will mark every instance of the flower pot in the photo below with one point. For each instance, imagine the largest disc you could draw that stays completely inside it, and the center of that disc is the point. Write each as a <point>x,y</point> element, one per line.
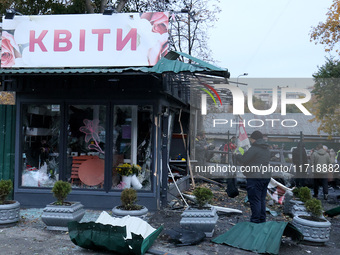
<point>136,213</point>
<point>316,232</point>
<point>9,214</point>
<point>56,217</point>
<point>135,183</point>
<point>200,220</point>
<point>127,181</point>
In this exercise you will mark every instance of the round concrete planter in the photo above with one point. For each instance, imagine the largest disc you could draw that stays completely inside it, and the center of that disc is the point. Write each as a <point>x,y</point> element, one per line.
<point>200,220</point>
<point>9,214</point>
<point>313,231</point>
<point>56,217</point>
<point>136,213</point>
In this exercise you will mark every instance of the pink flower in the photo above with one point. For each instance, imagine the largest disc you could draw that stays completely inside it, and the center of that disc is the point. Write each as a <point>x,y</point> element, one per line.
<point>8,50</point>
<point>158,20</point>
<point>92,130</point>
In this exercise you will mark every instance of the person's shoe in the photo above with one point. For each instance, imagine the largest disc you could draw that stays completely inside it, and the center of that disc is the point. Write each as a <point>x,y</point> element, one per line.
<point>325,196</point>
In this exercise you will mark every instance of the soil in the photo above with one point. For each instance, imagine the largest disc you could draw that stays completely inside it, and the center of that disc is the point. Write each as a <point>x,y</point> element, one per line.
<point>30,236</point>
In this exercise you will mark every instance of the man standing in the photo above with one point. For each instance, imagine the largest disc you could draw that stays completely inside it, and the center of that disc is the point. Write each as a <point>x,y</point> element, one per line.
<point>320,160</point>
<point>257,156</point>
<point>201,147</point>
<point>300,160</point>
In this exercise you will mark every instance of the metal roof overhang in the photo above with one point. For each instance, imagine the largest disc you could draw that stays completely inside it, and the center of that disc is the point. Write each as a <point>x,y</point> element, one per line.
<point>169,63</point>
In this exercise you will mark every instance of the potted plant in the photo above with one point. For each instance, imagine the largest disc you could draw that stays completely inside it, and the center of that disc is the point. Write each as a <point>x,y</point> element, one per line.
<point>9,209</point>
<point>57,214</point>
<point>128,198</point>
<point>314,227</point>
<point>202,217</point>
<point>129,175</point>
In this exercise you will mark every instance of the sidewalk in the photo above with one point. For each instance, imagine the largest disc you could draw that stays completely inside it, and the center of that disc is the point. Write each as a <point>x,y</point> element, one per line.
<point>30,236</point>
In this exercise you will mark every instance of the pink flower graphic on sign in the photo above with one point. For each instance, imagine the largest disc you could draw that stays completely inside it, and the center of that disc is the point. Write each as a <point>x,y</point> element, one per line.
<point>160,24</point>
<point>158,20</point>
<point>92,130</point>
<point>10,50</point>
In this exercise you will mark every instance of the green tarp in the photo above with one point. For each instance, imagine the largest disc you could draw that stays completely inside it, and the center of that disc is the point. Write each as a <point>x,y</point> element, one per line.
<point>97,236</point>
<point>333,212</point>
<point>261,238</point>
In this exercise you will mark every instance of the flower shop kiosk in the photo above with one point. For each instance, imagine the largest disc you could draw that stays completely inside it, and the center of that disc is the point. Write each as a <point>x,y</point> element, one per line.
<point>91,96</point>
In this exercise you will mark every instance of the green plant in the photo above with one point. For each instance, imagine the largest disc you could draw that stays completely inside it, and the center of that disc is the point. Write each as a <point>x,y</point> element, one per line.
<point>314,206</point>
<point>124,169</point>
<point>296,192</point>
<point>129,198</point>
<point>6,187</point>
<point>304,194</point>
<point>60,191</point>
<point>136,169</point>
<point>203,196</point>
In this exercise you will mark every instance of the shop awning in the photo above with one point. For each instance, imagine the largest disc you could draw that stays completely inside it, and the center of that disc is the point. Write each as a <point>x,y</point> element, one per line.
<point>169,63</point>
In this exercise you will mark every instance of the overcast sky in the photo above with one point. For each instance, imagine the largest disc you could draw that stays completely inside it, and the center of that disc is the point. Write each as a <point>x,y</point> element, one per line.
<point>269,38</point>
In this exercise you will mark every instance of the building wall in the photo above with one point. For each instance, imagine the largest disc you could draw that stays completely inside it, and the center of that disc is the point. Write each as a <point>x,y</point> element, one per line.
<point>7,141</point>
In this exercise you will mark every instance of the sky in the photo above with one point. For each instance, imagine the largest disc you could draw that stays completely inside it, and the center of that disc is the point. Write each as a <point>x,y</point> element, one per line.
<point>268,38</point>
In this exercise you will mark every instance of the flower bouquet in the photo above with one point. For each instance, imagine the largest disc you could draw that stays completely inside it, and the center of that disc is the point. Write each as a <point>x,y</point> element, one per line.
<point>124,169</point>
<point>136,169</point>
<point>128,173</point>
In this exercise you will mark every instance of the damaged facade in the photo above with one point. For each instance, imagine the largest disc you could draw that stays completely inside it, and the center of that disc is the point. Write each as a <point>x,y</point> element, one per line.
<point>79,123</point>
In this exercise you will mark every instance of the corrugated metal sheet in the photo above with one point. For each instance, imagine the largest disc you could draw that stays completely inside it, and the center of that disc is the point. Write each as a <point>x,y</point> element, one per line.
<point>72,70</point>
<point>262,238</point>
<point>7,138</point>
<point>168,63</point>
<point>175,54</point>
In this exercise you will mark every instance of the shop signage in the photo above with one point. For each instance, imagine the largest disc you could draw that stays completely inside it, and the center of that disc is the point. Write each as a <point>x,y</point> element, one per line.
<point>87,40</point>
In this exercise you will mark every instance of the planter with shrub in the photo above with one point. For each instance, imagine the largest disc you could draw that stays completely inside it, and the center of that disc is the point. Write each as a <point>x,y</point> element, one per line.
<point>9,209</point>
<point>203,217</point>
<point>314,227</point>
<point>57,214</point>
<point>128,198</point>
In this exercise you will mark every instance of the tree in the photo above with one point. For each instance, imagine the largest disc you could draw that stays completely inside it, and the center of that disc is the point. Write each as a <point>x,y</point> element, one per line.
<point>189,24</point>
<point>328,32</point>
<point>326,95</point>
<point>189,31</point>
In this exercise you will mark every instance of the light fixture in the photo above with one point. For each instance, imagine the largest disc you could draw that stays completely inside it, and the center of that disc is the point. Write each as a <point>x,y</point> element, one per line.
<point>244,74</point>
<point>109,9</point>
<point>10,13</point>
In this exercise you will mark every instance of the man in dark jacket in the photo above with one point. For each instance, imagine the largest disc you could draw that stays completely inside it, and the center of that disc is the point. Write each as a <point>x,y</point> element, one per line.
<point>257,178</point>
<point>300,160</point>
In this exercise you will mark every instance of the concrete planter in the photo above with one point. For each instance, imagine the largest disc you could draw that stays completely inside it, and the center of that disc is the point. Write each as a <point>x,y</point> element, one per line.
<point>116,212</point>
<point>9,214</point>
<point>56,217</point>
<point>290,202</point>
<point>200,219</point>
<point>313,231</point>
<point>299,210</point>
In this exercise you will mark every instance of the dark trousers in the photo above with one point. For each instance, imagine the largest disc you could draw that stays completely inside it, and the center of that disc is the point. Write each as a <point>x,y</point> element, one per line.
<point>300,182</point>
<point>320,182</point>
<point>257,192</point>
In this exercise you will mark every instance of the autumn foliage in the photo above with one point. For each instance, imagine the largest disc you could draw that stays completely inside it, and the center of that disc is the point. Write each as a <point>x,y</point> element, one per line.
<point>328,32</point>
